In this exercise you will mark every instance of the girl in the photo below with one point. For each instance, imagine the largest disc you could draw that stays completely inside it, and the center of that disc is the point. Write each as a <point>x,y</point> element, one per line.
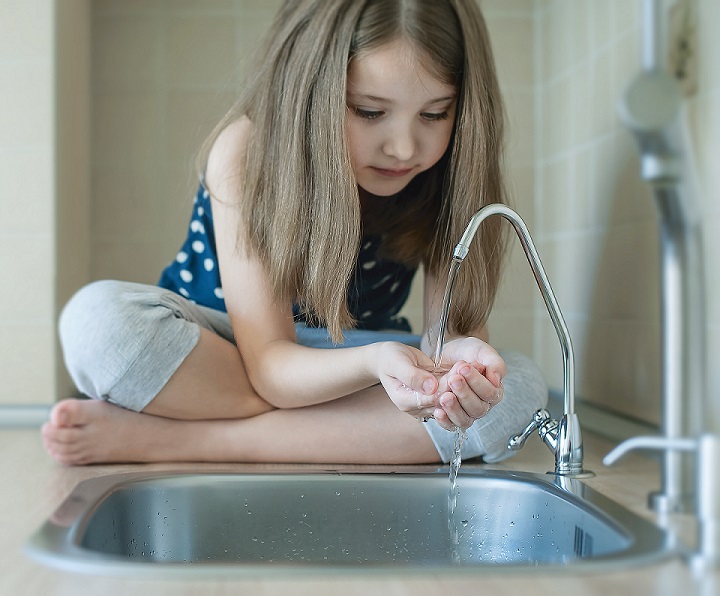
<point>369,134</point>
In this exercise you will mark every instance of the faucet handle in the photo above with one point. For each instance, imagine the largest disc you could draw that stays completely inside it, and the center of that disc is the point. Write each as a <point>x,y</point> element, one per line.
<point>539,419</point>
<point>707,489</point>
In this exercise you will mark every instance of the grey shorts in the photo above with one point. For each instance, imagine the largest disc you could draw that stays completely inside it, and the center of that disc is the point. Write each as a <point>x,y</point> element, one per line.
<point>123,341</point>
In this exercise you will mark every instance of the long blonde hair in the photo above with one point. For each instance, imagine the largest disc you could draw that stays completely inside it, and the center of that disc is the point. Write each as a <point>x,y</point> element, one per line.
<point>301,208</point>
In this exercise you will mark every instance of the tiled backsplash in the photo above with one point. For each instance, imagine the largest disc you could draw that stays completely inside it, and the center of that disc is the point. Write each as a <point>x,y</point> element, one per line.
<point>27,171</point>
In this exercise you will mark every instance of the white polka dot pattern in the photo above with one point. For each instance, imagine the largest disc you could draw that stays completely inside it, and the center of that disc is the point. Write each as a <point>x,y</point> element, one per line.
<point>376,293</point>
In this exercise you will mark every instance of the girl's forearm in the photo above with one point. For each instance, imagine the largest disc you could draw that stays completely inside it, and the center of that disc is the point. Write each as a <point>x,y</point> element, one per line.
<point>288,375</point>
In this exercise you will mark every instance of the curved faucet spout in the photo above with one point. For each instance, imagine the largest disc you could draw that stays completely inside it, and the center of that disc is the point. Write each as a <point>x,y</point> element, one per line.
<point>541,278</point>
<point>564,438</point>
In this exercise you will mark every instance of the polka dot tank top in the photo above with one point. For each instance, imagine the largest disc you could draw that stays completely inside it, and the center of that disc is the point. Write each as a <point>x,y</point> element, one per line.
<point>377,291</point>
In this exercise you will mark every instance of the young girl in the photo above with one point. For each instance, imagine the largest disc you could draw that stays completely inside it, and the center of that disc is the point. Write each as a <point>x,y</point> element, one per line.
<point>369,134</point>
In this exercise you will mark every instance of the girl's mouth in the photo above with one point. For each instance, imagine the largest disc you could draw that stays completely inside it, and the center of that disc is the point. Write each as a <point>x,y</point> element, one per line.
<point>393,173</point>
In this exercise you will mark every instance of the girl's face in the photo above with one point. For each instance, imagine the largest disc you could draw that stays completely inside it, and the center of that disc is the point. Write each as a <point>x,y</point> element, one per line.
<point>399,118</point>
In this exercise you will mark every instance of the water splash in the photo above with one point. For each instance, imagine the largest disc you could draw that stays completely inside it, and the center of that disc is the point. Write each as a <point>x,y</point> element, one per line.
<point>456,460</point>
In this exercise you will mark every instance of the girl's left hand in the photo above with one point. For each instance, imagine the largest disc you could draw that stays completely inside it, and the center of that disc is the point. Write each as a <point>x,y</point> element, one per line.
<point>472,385</point>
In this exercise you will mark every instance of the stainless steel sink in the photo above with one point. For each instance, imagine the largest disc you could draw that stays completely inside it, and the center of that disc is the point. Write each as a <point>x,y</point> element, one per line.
<point>220,522</point>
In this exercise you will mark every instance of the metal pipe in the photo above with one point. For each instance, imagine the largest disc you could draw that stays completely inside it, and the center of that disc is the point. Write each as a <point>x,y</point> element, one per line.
<point>652,30</point>
<point>676,473</point>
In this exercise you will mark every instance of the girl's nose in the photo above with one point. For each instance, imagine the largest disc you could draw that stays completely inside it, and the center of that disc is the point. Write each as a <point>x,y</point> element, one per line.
<point>400,144</point>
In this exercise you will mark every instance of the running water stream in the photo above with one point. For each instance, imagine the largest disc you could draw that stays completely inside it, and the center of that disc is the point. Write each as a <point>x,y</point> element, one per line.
<point>460,435</point>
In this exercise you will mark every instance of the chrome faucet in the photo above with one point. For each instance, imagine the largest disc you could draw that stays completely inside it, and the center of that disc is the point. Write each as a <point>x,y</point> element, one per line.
<point>707,487</point>
<point>562,437</point>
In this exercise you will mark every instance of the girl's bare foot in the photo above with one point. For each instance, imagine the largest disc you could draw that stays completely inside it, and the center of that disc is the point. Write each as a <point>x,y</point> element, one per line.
<point>89,431</point>
<point>363,428</point>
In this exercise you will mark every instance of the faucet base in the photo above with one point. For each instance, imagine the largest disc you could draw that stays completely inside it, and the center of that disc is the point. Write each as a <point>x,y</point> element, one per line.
<point>665,504</point>
<point>581,474</point>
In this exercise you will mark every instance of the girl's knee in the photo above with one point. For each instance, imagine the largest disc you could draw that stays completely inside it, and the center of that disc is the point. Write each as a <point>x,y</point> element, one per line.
<point>84,307</point>
<point>525,392</point>
<point>524,382</point>
<point>93,315</point>
<point>101,328</point>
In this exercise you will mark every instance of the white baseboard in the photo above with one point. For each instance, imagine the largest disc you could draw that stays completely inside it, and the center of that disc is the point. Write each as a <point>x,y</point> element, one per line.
<point>20,416</point>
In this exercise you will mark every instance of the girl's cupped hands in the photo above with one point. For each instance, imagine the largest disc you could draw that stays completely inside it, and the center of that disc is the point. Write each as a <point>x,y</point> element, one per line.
<point>465,388</point>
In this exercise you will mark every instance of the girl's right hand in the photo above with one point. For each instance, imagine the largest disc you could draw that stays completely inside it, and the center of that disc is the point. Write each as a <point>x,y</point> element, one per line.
<point>405,374</point>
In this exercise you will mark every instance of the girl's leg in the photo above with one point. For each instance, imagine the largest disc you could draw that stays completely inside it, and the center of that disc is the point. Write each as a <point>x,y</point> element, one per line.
<point>147,349</point>
<point>173,369</point>
<point>210,383</point>
<point>363,428</point>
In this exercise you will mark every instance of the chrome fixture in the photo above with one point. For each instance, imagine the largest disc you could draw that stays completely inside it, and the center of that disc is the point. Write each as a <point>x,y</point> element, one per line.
<point>562,437</point>
<point>707,487</point>
<point>651,108</point>
<point>219,524</point>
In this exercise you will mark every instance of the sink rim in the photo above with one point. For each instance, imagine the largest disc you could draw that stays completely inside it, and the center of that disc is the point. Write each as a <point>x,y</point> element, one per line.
<point>57,542</point>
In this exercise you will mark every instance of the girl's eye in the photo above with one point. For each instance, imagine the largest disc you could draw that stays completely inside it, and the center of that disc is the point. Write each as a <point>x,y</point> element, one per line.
<point>367,114</point>
<point>434,116</point>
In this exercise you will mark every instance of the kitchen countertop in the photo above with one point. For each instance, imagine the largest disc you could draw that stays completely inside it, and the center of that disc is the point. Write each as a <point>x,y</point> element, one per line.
<point>35,485</point>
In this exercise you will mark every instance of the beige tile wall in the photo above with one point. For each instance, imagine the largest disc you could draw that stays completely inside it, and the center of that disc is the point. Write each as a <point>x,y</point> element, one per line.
<point>27,349</point>
<point>163,73</point>
<point>72,159</point>
<point>704,118</point>
<point>704,131</point>
<point>596,227</point>
<point>597,221</point>
<point>512,34</point>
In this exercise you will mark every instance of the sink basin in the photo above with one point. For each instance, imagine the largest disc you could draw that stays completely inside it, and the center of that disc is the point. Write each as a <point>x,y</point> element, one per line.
<point>160,522</point>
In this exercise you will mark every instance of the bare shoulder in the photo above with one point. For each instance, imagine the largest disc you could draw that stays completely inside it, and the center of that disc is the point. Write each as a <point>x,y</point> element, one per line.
<point>225,162</point>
